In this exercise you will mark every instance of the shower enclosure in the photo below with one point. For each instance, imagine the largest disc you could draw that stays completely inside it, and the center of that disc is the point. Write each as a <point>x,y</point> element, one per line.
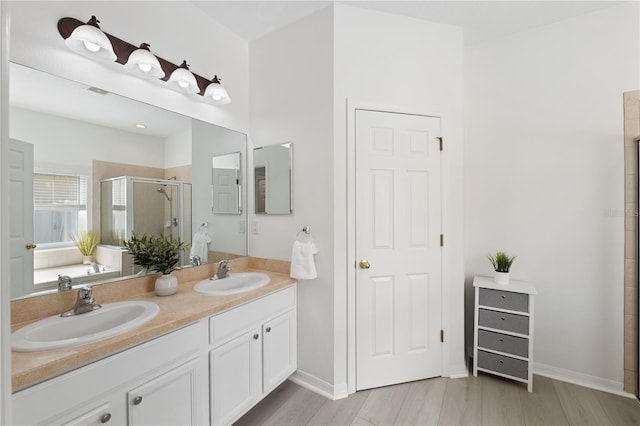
<point>144,206</point>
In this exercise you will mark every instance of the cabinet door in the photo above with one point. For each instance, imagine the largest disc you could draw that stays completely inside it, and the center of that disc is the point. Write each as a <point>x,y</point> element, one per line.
<point>169,399</point>
<point>236,373</point>
<point>278,350</point>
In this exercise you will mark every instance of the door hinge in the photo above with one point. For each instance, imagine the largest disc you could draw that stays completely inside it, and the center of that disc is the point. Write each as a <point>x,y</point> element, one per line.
<point>442,336</point>
<point>441,144</point>
<point>441,240</point>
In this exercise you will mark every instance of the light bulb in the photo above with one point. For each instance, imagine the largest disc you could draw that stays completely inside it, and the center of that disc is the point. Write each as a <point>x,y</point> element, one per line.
<point>144,67</point>
<point>183,84</point>
<point>217,97</point>
<point>91,46</point>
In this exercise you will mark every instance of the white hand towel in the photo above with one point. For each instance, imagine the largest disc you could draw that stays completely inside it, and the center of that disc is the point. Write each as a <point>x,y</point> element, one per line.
<point>302,264</point>
<point>199,245</point>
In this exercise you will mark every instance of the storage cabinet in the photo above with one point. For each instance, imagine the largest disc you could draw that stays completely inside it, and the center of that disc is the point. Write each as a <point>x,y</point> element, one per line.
<point>503,329</point>
<point>253,351</point>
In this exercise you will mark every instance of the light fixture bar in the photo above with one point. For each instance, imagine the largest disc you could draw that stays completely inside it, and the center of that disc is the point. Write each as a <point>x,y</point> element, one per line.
<point>124,49</point>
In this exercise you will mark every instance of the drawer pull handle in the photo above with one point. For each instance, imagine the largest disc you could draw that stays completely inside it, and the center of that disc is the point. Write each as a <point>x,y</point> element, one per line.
<point>502,340</point>
<point>501,362</point>
<point>255,336</point>
<point>105,418</point>
<point>268,329</point>
<point>137,400</point>
<point>503,296</point>
<point>502,318</point>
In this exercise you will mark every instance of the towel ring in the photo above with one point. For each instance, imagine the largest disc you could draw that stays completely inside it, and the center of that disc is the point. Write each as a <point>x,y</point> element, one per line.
<point>306,230</point>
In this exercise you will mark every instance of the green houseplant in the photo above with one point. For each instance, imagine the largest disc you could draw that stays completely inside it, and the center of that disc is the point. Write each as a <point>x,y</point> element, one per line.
<point>501,263</point>
<point>87,242</point>
<point>159,253</point>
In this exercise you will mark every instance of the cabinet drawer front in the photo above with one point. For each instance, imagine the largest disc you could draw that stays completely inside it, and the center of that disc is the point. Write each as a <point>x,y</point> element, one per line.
<point>504,299</point>
<point>503,364</point>
<point>503,343</point>
<point>227,325</point>
<point>503,321</point>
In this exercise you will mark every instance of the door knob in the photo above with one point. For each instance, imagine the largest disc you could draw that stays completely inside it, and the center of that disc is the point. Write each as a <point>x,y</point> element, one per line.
<point>364,264</point>
<point>137,400</point>
<point>30,246</point>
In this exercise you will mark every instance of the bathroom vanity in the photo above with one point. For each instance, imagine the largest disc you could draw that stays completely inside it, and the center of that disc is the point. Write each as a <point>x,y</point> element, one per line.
<point>224,356</point>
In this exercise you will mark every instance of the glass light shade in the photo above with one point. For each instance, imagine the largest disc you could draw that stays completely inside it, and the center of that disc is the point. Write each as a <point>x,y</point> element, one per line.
<point>143,63</point>
<point>90,41</point>
<point>183,80</point>
<point>216,93</point>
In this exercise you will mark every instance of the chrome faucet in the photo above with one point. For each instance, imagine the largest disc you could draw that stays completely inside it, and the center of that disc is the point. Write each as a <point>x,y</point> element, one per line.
<point>64,282</point>
<point>84,303</point>
<point>195,260</point>
<point>96,267</point>
<point>223,269</point>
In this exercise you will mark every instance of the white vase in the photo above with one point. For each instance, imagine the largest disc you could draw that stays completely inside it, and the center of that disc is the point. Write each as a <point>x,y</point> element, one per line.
<point>166,285</point>
<point>501,278</point>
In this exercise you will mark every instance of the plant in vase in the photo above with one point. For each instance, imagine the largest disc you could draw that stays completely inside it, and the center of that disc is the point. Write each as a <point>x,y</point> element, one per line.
<point>87,242</point>
<point>501,262</point>
<point>159,253</point>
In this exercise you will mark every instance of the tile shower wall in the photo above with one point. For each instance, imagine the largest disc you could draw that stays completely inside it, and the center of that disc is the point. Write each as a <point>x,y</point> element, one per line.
<point>631,131</point>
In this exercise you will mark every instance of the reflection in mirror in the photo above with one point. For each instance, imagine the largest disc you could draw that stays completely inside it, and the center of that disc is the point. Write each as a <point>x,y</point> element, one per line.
<point>226,173</point>
<point>66,138</point>
<point>272,174</point>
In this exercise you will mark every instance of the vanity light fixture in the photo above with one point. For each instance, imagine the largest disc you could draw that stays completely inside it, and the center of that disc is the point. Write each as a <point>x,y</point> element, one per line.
<point>144,63</point>
<point>139,60</point>
<point>216,92</point>
<point>89,40</point>
<point>183,80</point>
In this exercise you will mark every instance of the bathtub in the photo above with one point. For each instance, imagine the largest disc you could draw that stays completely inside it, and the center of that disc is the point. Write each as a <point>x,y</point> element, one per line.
<point>80,274</point>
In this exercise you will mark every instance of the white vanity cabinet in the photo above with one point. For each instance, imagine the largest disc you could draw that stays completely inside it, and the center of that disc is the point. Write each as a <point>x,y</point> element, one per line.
<point>253,350</point>
<point>163,381</point>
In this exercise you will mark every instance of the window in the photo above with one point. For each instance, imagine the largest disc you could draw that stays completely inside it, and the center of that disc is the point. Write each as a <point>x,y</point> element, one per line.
<point>59,207</point>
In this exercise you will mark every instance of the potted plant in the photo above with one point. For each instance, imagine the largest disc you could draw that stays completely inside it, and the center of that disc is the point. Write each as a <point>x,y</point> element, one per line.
<point>87,243</point>
<point>501,262</point>
<point>158,253</point>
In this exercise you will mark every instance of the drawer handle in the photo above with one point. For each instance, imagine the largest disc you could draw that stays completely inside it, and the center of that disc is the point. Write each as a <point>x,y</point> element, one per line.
<point>105,418</point>
<point>137,400</point>
<point>255,336</point>
<point>503,296</point>
<point>502,318</point>
<point>501,362</point>
<point>502,340</point>
<point>268,329</point>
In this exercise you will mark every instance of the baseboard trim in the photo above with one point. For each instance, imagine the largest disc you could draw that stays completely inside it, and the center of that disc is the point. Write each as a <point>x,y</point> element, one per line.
<point>458,372</point>
<point>319,386</point>
<point>577,378</point>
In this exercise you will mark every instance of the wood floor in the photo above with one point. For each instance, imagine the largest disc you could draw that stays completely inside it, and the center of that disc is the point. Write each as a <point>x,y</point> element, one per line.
<point>482,400</point>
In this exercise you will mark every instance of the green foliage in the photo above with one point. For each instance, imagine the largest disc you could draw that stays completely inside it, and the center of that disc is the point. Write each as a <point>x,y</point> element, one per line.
<point>159,252</point>
<point>501,261</point>
<point>87,242</point>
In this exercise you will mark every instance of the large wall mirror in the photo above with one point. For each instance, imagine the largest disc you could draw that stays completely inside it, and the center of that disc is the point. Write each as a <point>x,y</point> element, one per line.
<point>272,176</point>
<point>76,148</point>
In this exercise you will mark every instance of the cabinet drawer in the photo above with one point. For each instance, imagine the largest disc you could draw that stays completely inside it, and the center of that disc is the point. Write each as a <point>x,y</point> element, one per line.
<point>503,343</point>
<point>503,321</point>
<point>504,299</point>
<point>227,325</point>
<point>503,364</point>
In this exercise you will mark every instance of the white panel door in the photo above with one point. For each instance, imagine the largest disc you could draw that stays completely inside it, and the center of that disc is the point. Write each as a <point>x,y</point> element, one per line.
<point>21,217</point>
<point>398,226</point>
<point>225,191</point>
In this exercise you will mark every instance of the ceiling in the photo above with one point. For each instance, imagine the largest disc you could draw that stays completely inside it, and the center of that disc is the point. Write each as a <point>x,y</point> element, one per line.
<point>481,20</point>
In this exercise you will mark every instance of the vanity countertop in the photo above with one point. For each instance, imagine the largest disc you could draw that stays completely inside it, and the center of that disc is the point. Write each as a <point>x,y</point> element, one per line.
<point>183,308</point>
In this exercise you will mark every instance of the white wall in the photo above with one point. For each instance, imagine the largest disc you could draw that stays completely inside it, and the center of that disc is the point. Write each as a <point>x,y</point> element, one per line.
<point>291,84</point>
<point>407,65</point>
<point>175,30</point>
<point>71,145</point>
<point>544,180</point>
<point>177,149</point>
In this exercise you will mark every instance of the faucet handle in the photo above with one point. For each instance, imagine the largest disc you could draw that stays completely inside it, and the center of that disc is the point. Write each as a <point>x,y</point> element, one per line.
<point>84,293</point>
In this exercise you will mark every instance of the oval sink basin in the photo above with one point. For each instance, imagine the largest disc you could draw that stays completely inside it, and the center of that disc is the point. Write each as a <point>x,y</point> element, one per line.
<point>232,284</point>
<point>56,332</point>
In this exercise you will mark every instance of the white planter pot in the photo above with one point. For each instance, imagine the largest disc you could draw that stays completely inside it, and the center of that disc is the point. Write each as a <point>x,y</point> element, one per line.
<point>166,285</point>
<point>501,278</point>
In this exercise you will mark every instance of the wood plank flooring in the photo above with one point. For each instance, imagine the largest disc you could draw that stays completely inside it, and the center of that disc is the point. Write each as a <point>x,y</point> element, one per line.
<point>482,400</point>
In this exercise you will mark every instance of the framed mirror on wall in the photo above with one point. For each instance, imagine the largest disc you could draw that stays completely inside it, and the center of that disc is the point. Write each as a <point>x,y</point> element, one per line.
<point>79,137</point>
<point>226,175</point>
<point>272,171</point>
